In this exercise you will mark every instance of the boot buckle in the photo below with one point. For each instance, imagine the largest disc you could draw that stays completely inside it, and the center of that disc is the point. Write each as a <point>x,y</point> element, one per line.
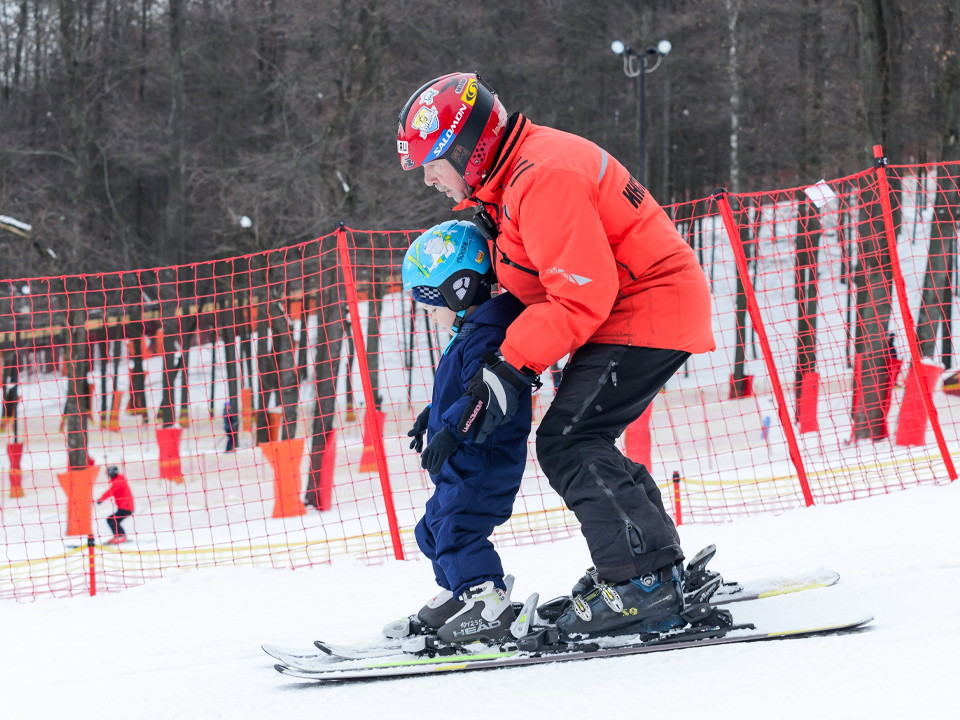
<point>611,597</point>
<point>582,609</point>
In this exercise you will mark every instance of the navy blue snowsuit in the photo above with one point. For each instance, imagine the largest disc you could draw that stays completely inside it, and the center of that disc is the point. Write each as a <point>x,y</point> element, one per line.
<point>476,486</point>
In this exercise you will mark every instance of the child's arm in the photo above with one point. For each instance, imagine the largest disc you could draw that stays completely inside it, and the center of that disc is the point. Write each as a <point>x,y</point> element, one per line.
<point>445,443</point>
<point>452,415</point>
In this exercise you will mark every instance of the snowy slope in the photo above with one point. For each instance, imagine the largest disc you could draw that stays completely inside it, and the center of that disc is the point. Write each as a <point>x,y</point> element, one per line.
<point>187,646</point>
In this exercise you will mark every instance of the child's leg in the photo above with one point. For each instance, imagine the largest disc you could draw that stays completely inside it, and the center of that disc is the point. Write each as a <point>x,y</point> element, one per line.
<point>121,515</point>
<point>427,542</point>
<point>462,526</point>
<point>114,525</point>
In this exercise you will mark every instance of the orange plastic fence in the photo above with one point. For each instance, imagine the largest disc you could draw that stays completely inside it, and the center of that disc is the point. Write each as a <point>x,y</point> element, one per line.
<point>240,377</point>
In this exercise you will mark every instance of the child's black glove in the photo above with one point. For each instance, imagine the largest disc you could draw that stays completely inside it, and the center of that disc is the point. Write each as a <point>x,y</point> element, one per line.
<point>418,429</point>
<point>442,446</point>
<point>494,394</point>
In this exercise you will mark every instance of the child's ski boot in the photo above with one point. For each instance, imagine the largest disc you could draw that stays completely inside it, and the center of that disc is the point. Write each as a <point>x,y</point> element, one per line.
<point>486,616</point>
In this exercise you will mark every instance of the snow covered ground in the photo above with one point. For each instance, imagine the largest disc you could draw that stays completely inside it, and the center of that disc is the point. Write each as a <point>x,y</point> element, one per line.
<point>187,646</point>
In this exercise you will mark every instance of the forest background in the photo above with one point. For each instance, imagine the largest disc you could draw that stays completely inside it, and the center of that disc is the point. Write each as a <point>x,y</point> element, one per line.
<point>137,133</point>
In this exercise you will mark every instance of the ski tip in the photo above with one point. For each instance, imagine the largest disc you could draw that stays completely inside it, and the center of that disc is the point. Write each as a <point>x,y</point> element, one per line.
<point>322,646</point>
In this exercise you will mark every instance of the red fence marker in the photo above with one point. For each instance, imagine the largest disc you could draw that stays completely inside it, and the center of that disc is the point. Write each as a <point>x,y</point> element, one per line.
<point>676,498</point>
<point>809,391</point>
<point>637,438</point>
<point>284,456</point>
<point>912,424</point>
<point>726,212</point>
<point>92,566</point>
<point>373,422</point>
<point>880,165</point>
<point>168,442</point>
<point>78,485</point>
<point>353,301</point>
<point>327,467</point>
<point>15,453</point>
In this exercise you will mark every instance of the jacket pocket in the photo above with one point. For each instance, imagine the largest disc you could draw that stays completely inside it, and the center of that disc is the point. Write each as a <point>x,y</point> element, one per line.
<point>591,397</point>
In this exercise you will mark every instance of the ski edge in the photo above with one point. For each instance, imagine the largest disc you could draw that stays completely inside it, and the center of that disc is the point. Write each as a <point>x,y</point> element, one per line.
<point>487,661</point>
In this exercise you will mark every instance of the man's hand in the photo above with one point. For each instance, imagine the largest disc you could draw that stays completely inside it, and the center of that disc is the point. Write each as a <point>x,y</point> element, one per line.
<point>418,429</point>
<point>494,394</point>
<point>442,446</point>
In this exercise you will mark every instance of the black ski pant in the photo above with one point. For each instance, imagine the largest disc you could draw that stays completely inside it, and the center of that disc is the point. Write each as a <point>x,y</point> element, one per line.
<point>118,517</point>
<point>605,388</point>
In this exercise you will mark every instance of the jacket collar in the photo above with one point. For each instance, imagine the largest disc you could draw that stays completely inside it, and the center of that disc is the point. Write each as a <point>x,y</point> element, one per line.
<point>490,190</point>
<point>498,311</point>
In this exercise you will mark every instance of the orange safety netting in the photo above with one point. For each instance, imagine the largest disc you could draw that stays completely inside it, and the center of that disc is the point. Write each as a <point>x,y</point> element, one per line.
<point>258,406</point>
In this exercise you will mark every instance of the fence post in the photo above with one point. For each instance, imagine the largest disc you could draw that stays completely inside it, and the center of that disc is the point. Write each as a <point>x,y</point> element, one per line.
<point>726,212</point>
<point>93,567</point>
<point>880,166</point>
<point>350,284</point>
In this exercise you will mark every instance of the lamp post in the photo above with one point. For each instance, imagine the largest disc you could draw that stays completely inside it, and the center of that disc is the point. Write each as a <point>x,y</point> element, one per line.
<point>635,65</point>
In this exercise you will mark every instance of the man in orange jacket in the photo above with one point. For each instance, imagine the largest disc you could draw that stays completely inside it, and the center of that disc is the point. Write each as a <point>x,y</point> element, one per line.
<point>606,279</point>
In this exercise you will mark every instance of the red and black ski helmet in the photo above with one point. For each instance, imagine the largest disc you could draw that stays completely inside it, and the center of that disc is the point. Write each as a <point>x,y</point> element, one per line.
<point>457,117</point>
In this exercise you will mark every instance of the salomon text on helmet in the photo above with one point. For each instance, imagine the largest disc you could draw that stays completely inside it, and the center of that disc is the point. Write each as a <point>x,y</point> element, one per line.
<point>456,117</point>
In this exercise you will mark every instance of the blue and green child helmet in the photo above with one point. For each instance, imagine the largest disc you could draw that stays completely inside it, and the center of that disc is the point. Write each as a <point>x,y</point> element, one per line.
<point>448,266</point>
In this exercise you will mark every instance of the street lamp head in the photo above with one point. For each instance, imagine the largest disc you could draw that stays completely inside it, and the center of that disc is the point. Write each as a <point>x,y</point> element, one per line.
<point>617,47</point>
<point>664,47</point>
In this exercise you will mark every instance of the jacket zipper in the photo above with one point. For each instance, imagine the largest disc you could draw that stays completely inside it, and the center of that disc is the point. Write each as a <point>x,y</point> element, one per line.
<point>591,397</point>
<point>507,261</point>
<point>634,536</point>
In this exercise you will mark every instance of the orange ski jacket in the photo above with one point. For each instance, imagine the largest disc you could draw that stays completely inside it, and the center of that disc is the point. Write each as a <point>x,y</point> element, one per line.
<point>588,251</point>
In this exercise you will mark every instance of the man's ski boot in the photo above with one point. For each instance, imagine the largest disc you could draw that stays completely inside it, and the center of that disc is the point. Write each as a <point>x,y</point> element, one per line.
<point>694,580</point>
<point>486,616</point>
<point>650,603</point>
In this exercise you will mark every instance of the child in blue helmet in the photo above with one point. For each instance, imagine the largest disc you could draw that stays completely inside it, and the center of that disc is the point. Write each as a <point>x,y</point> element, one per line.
<point>448,268</point>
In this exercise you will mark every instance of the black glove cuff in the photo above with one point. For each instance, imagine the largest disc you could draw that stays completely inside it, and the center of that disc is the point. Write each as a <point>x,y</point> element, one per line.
<point>507,372</point>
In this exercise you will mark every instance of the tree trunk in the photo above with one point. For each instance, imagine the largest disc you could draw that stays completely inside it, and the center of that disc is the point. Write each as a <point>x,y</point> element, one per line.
<point>288,382</point>
<point>330,331</point>
<point>937,299</point>
<point>808,246</point>
<point>227,320</point>
<point>880,26</point>
<point>733,68</point>
<point>170,324</point>
<point>937,291</point>
<point>133,308</point>
<point>373,341</point>
<point>176,202</point>
<point>738,388</point>
<point>266,363</point>
<point>873,277</point>
<point>78,366</point>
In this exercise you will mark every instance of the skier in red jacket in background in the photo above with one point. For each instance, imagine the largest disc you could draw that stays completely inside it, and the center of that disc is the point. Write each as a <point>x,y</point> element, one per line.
<point>119,490</point>
<point>606,279</point>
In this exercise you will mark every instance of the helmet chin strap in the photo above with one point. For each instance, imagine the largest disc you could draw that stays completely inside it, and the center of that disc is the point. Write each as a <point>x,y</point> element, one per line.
<point>457,322</point>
